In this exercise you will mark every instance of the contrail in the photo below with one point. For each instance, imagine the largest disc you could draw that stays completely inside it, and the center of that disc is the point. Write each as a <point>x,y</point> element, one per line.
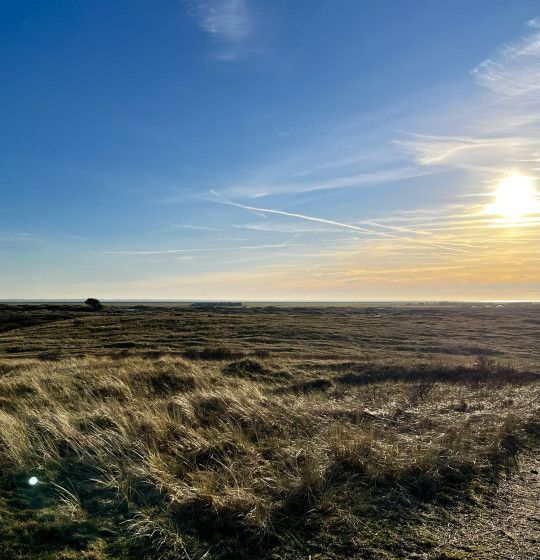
<point>333,223</point>
<point>196,250</point>
<point>418,232</point>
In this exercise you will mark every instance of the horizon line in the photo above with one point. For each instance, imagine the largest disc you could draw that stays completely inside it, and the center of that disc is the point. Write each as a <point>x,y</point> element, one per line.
<point>232,300</point>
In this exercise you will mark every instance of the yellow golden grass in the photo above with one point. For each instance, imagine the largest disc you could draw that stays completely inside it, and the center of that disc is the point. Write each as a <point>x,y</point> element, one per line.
<point>167,457</point>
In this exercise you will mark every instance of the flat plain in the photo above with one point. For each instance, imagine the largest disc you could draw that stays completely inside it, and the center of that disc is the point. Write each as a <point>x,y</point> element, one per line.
<point>379,431</point>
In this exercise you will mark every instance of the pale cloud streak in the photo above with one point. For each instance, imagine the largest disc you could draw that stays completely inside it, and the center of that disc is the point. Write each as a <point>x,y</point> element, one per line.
<point>280,227</point>
<point>229,22</point>
<point>515,69</point>
<point>196,250</point>
<point>363,179</point>
<point>468,152</point>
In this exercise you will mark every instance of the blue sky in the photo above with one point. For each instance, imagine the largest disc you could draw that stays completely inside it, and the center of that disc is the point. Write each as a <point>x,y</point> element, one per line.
<point>241,149</point>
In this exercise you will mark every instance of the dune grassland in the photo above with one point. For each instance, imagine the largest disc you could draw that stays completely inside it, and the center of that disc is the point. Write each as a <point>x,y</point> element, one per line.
<point>361,432</point>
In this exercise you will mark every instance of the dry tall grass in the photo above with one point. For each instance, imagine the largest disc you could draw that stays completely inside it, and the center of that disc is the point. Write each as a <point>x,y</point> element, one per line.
<point>254,458</point>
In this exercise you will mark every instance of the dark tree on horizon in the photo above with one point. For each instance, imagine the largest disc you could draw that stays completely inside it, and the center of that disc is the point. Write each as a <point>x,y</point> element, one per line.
<point>94,303</point>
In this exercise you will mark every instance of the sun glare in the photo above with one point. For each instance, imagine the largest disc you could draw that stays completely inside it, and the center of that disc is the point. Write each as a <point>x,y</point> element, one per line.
<point>515,197</point>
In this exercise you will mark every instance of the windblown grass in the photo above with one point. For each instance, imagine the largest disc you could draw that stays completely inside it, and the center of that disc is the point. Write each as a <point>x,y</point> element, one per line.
<point>169,457</point>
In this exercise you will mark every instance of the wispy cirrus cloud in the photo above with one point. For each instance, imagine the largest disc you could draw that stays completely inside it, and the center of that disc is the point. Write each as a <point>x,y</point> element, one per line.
<point>196,250</point>
<point>514,69</point>
<point>481,152</point>
<point>498,132</point>
<point>230,23</point>
<point>362,179</point>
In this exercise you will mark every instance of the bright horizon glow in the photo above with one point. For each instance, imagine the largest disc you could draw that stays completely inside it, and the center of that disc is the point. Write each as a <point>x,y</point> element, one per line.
<point>277,151</point>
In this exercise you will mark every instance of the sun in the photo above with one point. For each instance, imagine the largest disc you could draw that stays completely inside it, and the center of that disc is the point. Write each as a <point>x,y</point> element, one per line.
<point>515,197</point>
